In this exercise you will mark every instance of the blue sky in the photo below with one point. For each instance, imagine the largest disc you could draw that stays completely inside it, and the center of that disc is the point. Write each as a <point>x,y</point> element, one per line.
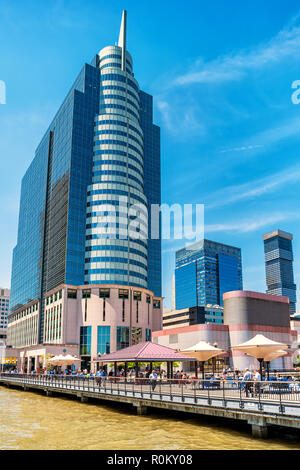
<point>221,76</point>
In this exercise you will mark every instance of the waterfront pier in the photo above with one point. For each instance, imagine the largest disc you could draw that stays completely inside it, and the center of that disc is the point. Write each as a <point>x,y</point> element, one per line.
<point>270,404</point>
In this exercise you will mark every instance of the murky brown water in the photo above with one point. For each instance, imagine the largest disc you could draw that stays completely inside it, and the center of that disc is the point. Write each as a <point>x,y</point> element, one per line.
<point>32,421</point>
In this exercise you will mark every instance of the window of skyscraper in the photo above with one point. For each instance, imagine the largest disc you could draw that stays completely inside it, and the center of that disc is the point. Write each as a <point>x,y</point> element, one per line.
<point>72,294</point>
<point>86,293</point>
<point>137,295</point>
<point>104,293</point>
<point>123,294</point>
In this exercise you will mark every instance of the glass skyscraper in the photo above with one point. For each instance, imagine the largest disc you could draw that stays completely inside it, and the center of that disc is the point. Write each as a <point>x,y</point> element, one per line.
<point>96,171</point>
<point>204,271</point>
<point>279,265</point>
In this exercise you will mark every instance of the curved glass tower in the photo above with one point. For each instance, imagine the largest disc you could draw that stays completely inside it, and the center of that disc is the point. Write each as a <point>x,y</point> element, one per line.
<point>98,171</point>
<point>116,200</point>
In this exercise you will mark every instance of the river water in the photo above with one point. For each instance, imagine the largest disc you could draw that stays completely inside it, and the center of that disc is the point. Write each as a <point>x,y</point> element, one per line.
<point>30,420</point>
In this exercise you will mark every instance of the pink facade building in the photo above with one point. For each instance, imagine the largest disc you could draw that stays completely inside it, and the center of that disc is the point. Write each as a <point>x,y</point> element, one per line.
<point>86,321</point>
<point>245,314</point>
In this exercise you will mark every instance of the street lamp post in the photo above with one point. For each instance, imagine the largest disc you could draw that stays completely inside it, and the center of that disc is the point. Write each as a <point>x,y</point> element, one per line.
<point>215,360</point>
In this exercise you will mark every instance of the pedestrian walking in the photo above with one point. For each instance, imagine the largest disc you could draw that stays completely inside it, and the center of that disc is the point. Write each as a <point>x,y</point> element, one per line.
<point>103,377</point>
<point>153,379</point>
<point>98,379</point>
<point>257,380</point>
<point>247,380</point>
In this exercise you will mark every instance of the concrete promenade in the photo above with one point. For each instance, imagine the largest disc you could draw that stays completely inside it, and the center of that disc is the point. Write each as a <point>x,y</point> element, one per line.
<point>271,405</point>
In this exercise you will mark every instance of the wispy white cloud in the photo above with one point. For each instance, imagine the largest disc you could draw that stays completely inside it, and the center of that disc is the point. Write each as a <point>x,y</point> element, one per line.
<point>251,224</point>
<point>186,110</point>
<point>178,118</point>
<point>234,67</point>
<point>275,134</point>
<point>240,149</point>
<point>272,135</point>
<point>254,189</point>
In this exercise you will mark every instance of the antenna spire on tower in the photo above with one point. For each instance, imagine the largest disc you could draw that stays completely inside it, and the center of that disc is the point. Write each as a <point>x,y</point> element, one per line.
<point>122,38</point>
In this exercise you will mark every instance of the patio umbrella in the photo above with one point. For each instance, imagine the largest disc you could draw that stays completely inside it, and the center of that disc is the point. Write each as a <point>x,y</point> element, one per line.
<point>61,360</point>
<point>202,351</point>
<point>55,360</point>
<point>273,355</point>
<point>68,360</point>
<point>259,347</point>
<point>296,357</point>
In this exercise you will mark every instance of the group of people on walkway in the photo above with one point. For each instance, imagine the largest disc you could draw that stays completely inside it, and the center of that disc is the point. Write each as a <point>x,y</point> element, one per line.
<point>251,382</point>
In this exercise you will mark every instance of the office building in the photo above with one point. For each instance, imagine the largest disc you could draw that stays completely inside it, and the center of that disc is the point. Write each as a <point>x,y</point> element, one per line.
<point>193,316</point>
<point>245,314</point>
<point>86,321</point>
<point>4,309</point>
<point>279,266</point>
<point>204,272</point>
<point>94,176</point>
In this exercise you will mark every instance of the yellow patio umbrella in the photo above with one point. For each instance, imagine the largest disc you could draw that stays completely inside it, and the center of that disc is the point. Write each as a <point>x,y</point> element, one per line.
<point>202,351</point>
<point>259,347</point>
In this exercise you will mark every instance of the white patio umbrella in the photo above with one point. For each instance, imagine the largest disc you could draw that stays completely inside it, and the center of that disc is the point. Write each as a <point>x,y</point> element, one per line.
<point>55,360</point>
<point>69,360</point>
<point>259,347</point>
<point>61,360</point>
<point>273,355</point>
<point>202,351</point>
<point>296,357</point>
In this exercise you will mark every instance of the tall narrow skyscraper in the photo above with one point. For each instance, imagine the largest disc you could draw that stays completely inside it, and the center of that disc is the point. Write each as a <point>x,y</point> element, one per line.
<point>4,309</point>
<point>95,173</point>
<point>279,265</point>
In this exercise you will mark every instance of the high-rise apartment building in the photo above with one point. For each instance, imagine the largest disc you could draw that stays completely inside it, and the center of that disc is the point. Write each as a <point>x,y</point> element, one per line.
<point>4,309</point>
<point>204,271</point>
<point>95,175</point>
<point>279,265</point>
